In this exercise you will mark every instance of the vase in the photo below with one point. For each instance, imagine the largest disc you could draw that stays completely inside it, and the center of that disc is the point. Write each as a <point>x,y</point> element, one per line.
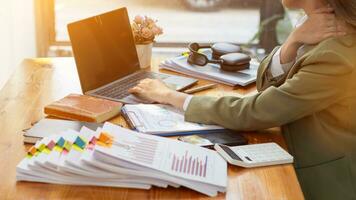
<point>144,53</point>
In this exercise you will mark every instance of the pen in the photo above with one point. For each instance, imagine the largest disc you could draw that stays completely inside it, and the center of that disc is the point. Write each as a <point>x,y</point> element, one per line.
<point>200,88</point>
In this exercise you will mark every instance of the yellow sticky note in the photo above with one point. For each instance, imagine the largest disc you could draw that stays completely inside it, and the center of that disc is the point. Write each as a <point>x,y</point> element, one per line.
<point>46,151</point>
<point>58,148</point>
<point>76,147</point>
<point>41,147</point>
<point>67,145</point>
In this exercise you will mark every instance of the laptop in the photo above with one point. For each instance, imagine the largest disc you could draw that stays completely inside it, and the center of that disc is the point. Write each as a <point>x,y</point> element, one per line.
<point>107,61</point>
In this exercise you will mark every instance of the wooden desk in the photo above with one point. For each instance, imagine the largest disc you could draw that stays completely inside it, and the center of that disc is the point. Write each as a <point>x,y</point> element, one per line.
<point>38,82</point>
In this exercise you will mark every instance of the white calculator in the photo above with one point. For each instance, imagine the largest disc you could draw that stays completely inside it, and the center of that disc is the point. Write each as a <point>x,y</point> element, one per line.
<point>255,155</point>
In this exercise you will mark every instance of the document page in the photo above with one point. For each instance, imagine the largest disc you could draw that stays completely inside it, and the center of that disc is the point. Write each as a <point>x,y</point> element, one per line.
<point>173,157</point>
<point>157,118</point>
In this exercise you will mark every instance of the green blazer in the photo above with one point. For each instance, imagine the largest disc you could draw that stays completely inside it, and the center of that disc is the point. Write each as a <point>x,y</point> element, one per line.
<point>315,103</point>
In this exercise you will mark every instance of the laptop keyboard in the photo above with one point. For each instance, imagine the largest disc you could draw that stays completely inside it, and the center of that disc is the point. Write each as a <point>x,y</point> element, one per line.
<point>119,89</point>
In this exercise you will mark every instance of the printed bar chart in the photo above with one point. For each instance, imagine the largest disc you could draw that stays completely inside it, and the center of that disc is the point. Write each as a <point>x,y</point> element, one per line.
<point>186,164</point>
<point>142,150</point>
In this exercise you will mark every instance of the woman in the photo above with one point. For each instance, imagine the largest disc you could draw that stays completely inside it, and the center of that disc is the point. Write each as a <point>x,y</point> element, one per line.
<point>307,86</point>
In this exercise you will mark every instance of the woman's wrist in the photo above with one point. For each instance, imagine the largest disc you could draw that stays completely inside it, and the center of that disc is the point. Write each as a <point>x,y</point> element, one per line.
<point>289,49</point>
<point>294,40</point>
<point>175,99</point>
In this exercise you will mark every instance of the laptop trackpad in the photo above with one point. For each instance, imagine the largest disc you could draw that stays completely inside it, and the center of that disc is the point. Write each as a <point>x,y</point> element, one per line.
<point>132,99</point>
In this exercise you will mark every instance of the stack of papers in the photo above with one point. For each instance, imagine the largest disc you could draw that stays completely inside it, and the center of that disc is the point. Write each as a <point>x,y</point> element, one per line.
<point>212,72</point>
<point>117,157</point>
<point>163,120</point>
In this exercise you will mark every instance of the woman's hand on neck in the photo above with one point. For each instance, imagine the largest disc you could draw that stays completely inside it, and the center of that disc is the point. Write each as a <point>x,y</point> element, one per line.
<point>310,7</point>
<point>320,25</point>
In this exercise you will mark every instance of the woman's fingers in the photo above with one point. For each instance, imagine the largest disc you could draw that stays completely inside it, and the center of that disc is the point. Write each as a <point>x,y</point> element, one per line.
<point>145,81</point>
<point>331,29</point>
<point>335,26</point>
<point>331,23</point>
<point>330,16</point>
<point>341,26</point>
<point>324,10</point>
<point>135,90</point>
<point>333,34</point>
<point>329,35</point>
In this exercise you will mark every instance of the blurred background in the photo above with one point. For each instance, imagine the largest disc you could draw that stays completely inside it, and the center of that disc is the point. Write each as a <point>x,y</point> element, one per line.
<point>38,28</point>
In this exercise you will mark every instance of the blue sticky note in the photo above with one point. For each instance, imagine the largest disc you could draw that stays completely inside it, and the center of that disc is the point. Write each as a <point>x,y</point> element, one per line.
<point>80,142</point>
<point>61,142</point>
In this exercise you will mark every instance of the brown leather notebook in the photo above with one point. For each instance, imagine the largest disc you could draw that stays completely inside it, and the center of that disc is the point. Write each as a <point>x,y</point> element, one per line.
<point>83,108</point>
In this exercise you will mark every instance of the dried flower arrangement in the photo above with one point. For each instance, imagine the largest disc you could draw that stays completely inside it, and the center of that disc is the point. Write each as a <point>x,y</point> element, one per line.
<point>145,29</point>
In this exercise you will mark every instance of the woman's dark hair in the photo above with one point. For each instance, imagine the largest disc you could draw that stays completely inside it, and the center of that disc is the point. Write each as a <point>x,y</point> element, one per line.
<point>345,9</point>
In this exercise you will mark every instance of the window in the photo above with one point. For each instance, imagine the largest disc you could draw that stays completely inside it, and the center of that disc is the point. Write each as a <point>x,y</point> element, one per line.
<point>183,21</point>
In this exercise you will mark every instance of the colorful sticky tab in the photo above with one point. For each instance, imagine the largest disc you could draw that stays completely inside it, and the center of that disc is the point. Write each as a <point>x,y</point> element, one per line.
<point>61,142</point>
<point>105,138</point>
<point>41,147</point>
<point>65,152</point>
<point>51,144</point>
<point>32,151</point>
<point>93,140</point>
<point>80,142</point>
<point>76,147</point>
<point>67,145</point>
<point>46,151</point>
<point>58,148</point>
<point>91,146</point>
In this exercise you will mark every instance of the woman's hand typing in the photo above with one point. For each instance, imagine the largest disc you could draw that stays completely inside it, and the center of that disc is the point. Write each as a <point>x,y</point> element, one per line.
<point>155,90</point>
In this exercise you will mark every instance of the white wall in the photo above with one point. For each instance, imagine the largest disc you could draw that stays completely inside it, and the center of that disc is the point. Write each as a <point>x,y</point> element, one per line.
<point>17,35</point>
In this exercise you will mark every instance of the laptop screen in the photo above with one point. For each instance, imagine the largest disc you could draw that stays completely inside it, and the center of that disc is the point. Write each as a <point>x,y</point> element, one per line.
<point>104,48</point>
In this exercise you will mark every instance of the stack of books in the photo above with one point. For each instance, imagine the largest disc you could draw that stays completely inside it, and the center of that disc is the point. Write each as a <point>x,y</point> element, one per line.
<point>211,71</point>
<point>117,157</point>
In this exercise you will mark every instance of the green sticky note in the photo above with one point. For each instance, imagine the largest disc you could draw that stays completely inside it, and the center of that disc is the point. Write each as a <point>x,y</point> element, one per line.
<point>41,147</point>
<point>67,145</point>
